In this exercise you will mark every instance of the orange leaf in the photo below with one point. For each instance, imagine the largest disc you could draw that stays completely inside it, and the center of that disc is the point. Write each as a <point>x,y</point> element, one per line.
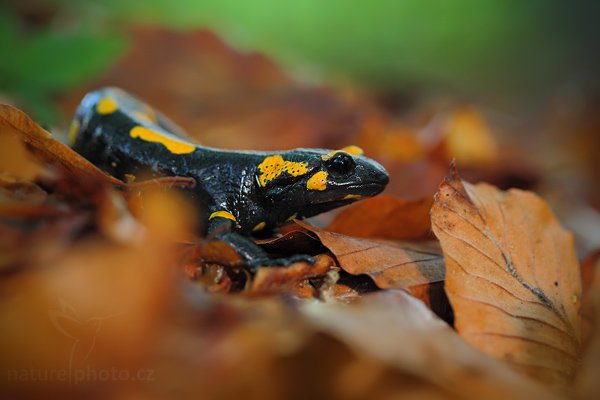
<point>385,217</point>
<point>275,280</point>
<point>49,150</point>
<point>78,175</point>
<point>512,277</point>
<point>394,327</point>
<point>15,160</point>
<point>390,264</point>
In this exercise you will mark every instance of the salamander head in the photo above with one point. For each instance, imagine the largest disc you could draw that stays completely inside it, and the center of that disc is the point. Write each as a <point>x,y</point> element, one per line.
<point>311,181</point>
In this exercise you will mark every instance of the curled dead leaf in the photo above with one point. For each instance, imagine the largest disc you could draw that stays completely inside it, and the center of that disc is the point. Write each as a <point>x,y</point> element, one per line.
<point>81,176</point>
<point>403,265</point>
<point>82,181</point>
<point>47,149</point>
<point>512,277</point>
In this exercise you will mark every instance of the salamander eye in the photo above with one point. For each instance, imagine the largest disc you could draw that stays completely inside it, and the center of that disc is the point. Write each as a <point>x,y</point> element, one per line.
<point>341,163</point>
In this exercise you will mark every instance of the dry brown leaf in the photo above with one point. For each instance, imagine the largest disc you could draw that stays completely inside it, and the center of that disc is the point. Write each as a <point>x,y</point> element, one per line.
<point>385,217</point>
<point>26,200</point>
<point>79,172</point>
<point>76,177</point>
<point>394,327</point>
<point>512,277</point>
<point>276,280</point>
<point>24,242</point>
<point>49,150</point>
<point>30,211</point>
<point>15,160</point>
<point>339,293</point>
<point>403,265</point>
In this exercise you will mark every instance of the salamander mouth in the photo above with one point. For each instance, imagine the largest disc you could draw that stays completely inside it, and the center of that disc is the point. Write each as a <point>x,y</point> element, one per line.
<point>366,190</point>
<point>337,203</point>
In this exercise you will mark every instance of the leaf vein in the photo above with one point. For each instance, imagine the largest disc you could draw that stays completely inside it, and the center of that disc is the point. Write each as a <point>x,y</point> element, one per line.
<point>526,339</point>
<point>563,332</point>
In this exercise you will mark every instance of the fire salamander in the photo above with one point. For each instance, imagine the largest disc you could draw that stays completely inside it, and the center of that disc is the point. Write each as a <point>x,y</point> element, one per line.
<point>238,192</point>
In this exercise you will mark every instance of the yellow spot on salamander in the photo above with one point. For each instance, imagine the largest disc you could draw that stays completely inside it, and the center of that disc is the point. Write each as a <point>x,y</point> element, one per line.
<point>259,227</point>
<point>174,145</point>
<point>274,166</point>
<point>352,197</point>
<point>318,181</point>
<point>73,131</point>
<point>222,214</point>
<point>353,150</point>
<point>106,105</point>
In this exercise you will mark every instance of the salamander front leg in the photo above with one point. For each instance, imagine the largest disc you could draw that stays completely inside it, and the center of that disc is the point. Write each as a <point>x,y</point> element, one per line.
<point>252,255</point>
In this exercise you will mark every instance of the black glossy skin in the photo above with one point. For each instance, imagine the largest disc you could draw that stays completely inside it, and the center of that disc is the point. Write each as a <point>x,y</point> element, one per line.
<point>225,180</point>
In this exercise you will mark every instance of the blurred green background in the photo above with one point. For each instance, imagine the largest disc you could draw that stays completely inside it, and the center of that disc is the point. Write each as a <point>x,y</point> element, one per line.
<point>509,53</point>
